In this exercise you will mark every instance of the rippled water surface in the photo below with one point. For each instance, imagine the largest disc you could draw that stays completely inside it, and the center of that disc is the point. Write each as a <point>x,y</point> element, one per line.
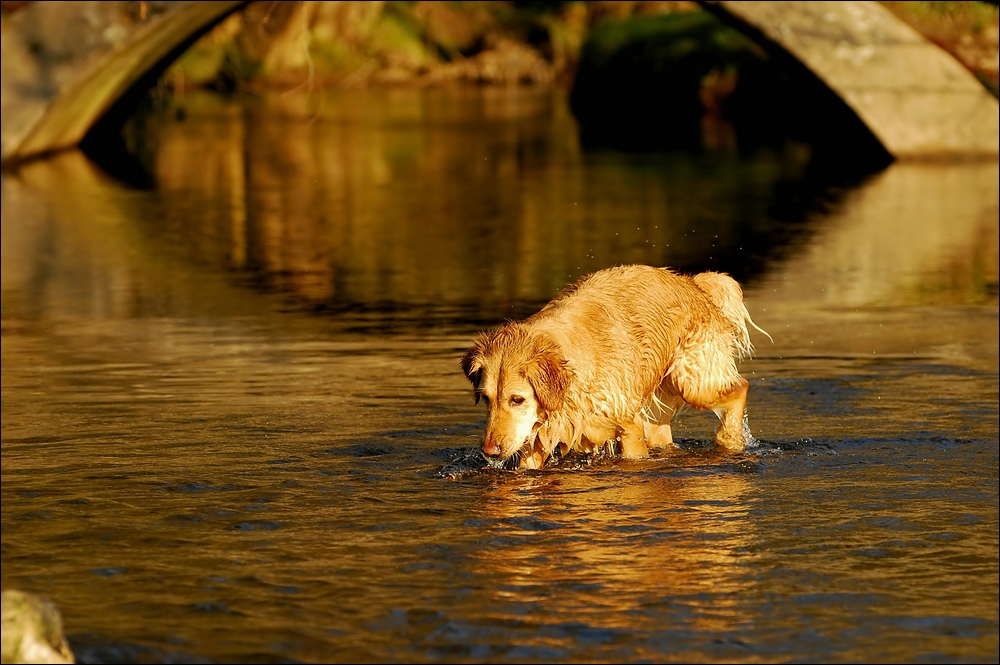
<point>234,426</point>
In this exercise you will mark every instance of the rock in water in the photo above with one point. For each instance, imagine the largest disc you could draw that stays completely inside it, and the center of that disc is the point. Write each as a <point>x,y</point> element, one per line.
<point>32,630</point>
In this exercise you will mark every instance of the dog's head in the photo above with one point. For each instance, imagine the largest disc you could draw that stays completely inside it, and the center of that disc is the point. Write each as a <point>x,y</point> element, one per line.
<point>522,377</point>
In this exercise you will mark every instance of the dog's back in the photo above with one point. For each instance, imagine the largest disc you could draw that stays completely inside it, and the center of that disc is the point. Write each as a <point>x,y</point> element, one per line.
<point>636,318</point>
<point>627,331</point>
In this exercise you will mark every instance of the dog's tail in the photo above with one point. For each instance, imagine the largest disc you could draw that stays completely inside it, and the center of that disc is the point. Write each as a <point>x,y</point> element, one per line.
<point>726,294</point>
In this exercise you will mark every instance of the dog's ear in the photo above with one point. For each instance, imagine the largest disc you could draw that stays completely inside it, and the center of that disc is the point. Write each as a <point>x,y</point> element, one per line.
<point>548,374</point>
<point>472,365</point>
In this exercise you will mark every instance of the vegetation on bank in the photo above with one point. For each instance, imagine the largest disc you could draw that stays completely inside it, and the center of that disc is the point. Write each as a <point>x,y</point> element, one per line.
<point>365,43</point>
<point>967,30</point>
<point>370,43</point>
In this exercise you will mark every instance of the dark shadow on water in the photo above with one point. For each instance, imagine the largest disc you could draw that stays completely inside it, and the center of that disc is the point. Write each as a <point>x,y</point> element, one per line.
<point>109,150</point>
<point>92,648</point>
<point>688,456</point>
<point>342,207</point>
<point>793,202</point>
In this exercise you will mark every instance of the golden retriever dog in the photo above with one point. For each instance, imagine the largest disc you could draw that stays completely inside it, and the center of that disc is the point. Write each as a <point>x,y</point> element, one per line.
<point>608,361</point>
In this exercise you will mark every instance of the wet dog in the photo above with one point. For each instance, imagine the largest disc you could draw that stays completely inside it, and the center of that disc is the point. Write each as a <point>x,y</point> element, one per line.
<point>608,361</point>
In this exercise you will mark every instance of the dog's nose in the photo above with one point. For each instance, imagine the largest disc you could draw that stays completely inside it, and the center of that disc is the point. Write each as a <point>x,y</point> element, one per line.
<point>491,448</point>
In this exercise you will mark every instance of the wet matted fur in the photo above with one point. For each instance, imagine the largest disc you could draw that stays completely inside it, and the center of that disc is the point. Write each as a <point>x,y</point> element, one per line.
<point>608,361</point>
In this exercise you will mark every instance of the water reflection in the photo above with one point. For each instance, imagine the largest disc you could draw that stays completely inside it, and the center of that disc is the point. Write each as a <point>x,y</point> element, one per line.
<point>77,244</point>
<point>484,199</point>
<point>917,233</point>
<point>605,547</point>
<point>481,203</point>
<point>481,199</point>
<point>195,469</point>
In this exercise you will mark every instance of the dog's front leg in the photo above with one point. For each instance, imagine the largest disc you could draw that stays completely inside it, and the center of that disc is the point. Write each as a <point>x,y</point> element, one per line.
<point>535,459</point>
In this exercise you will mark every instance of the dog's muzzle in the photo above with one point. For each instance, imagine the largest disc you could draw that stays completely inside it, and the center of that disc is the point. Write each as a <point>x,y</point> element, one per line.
<point>491,449</point>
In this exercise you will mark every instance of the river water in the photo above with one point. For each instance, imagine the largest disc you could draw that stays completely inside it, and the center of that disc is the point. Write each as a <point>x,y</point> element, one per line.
<point>234,427</point>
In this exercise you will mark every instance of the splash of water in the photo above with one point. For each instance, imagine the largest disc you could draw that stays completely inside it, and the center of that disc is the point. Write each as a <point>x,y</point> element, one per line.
<point>748,439</point>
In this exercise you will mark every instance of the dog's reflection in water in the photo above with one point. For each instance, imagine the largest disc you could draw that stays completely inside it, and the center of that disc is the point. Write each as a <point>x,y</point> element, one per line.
<point>601,545</point>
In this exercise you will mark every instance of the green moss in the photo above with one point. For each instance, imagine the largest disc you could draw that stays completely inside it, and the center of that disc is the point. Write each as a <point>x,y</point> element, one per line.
<point>200,66</point>
<point>335,58</point>
<point>237,66</point>
<point>396,37</point>
<point>666,36</point>
<point>970,15</point>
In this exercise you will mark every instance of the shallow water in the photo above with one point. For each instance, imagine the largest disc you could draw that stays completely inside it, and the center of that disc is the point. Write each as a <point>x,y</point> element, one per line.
<point>234,426</point>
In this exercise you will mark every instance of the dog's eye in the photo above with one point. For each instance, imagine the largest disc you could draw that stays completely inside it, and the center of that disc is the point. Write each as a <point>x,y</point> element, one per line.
<point>516,400</point>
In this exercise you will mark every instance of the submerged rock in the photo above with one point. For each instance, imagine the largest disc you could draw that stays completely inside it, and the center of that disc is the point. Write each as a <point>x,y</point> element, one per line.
<point>32,630</point>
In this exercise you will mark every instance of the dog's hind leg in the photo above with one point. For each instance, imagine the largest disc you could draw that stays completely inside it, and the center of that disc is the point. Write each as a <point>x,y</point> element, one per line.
<point>731,408</point>
<point>705,376</point>
<point>658,435</point>
<point>633,441</point>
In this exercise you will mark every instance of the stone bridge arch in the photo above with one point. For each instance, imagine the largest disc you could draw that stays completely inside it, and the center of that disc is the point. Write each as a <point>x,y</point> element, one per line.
<point>916,99</point>
<point>108,61</point>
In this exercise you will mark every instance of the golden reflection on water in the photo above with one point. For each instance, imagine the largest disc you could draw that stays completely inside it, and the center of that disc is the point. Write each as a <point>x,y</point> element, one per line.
<point>382,198</point>
<point>915,234</point>
<point>398,197</point>
<point>349,207</point>
<point>608,545</point>
<point>411,201</point>
<point>77,244</point>
<point>904,265</point>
